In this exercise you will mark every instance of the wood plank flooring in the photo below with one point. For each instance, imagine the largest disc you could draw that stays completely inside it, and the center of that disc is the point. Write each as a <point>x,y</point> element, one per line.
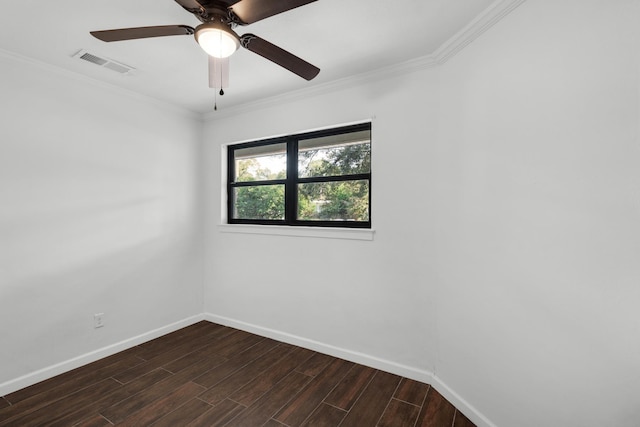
<point>212,375</point>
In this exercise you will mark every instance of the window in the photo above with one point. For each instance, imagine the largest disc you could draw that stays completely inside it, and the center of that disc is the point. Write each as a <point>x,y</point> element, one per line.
<point>318,178</point>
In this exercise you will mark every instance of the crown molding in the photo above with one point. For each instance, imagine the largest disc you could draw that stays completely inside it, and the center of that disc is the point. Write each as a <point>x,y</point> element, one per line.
<point>478,26</point>
<point>327,87</point>
<point>54,69</point>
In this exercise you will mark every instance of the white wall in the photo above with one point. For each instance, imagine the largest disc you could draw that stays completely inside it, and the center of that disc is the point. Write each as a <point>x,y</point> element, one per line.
<point>362,296</point>
<point>538,217</point>
<point>505,202</point>
<point>98,213</point>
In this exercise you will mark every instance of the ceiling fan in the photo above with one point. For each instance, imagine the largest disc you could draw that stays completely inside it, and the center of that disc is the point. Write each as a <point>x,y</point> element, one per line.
<point>215,34</point>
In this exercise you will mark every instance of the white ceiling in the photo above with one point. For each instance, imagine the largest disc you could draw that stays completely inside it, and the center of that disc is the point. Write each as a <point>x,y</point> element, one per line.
<point>341,37</point>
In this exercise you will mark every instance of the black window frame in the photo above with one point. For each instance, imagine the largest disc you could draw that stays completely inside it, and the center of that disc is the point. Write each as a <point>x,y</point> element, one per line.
<point>292,179</point>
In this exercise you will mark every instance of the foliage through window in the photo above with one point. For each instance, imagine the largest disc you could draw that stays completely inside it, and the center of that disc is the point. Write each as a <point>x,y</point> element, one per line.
<point>318,178</point>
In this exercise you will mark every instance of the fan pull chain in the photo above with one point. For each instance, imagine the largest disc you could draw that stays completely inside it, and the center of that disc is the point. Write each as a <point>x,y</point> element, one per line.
<point>215,102</point>
<point>221,72</point>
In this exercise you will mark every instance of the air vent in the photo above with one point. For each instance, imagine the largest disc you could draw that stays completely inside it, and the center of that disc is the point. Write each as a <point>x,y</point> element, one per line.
<point>110,64</point>
<point>92,58</point>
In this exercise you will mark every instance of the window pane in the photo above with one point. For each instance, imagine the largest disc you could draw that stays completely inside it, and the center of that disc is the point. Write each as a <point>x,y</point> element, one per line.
<point>334,201</point>
<point>259,202</point>
<point>261,163</point>
<point>335,155</point>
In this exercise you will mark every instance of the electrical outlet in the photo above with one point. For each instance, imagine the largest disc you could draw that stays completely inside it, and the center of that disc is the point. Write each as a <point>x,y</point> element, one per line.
<point>98,320</point>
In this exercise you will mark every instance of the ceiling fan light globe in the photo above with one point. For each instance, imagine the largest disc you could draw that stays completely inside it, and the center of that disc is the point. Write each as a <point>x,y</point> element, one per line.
<point>217,40</point>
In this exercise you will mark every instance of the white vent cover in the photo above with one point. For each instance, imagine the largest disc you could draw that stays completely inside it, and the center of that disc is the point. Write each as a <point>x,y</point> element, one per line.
<point>112,65</point>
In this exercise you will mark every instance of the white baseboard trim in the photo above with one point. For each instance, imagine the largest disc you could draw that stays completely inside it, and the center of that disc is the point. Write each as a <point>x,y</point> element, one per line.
<point>364,359</point>
<point>468,410</point>
<point>68,365</point>
<point>352,356</point>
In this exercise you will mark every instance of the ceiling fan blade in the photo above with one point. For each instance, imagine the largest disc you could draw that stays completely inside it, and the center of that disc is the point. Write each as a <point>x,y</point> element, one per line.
<point>189,4</point>
<point>195,7</point>
<point>142,32</point>
<point>280,56</point>
<point>250,11</point>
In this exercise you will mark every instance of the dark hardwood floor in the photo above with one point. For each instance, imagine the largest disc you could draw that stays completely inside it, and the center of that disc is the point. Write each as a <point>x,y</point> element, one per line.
<point>212,375</point>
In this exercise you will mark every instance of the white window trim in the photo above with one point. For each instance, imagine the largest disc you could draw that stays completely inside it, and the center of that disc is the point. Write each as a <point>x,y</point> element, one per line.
<point>316,232</point>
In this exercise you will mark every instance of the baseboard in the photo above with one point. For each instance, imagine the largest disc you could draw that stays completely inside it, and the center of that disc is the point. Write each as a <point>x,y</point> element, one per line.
<point>353,356</point>
<point>68,365</point>
<point>463,406</point>
<point>364,359</point>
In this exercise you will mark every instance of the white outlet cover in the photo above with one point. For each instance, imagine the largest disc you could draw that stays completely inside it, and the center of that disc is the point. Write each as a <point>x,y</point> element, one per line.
<point>98,320</point>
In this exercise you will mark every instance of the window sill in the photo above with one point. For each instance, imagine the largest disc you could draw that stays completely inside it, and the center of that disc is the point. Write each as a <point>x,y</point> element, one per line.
<point>317,232</point>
